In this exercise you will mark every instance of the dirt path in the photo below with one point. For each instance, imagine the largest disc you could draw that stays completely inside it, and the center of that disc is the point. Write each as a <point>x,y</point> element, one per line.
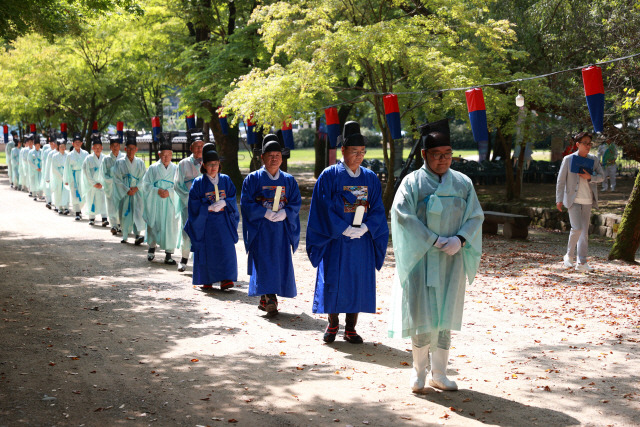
<point>93,334</point>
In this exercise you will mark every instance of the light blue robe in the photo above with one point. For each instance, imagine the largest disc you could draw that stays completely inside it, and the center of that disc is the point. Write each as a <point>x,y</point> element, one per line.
<point>126,175</point>
<point>73,177</point>
<point>59,192</point>
<point>429,285</point>
<point>35,176</point>
<point>24,168</point>
<point>188,170</point>
<point>46,150</point>
<point>106,170</point>
<point>94,197</point>
<point>8,149</point>
<point>15,165</point>
<point>163,224</point>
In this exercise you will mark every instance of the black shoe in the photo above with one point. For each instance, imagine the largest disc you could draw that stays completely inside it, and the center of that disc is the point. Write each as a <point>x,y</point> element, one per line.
<point>263,303</point>
<point>67,212</point>
<point>123,241</point>
<point>35,199</point>
<point>330,333</point>
<point>182,265</point>
<point>139,240</point>
<point>168,260</point>
<point>352,337</point>
<point>60,212</point>
<point>151,254</point>
<point>226,284</point>
<point>92,221</point>
<point>105,222</point>
<point>48,206</point>
<point>78,216</point>
<point>272,305</point>
<point>114,231</point>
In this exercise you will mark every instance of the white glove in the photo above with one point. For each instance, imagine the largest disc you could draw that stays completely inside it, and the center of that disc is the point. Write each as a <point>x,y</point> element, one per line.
<point>217,206</point>
<point>441,242</point>
<point>359,231</point>
<point>452,246</point>
<point>270,215</point>
<point>210,208</point>
<point>349,232</point>
<point>281,215</point>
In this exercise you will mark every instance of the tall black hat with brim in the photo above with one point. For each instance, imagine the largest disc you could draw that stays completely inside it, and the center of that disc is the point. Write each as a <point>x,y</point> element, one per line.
<point>435,134</point>
<point>351,136</point>
<point>166,139</point>
<point>131,138</point>
<point>96,139</point>
<point>30,137</point>
<point>36,138</point>
<point>195,134</point>
<point>61,141</point>
<point>51,137</point>
<point>271,143</point>
<point>77,137</point>
<point>209,153</point>
<point>114,139</point>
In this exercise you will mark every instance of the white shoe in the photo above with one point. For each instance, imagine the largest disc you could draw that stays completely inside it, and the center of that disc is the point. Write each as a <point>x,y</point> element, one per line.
<point>420,368</point>
<point>181,267</point>
<point>439,359</point>
<point>584,267</point>
<point>567,261</point>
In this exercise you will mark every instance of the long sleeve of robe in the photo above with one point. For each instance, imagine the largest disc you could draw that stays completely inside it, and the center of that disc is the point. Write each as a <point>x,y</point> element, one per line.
<point>94,197</point>
<point>213,235</point>
<point>15,165</point>
<point>106,172</point>
<point>59,192</point>
<point>35,175</point>
<point>73,176</point>
<point>8,150</point>
<point>429,285</point>
<point>127,175</point>
<point>44,156</point>
<point>24,167</point>
<point>346,278</point>
<point>163,227</point>
<point>269,244</point>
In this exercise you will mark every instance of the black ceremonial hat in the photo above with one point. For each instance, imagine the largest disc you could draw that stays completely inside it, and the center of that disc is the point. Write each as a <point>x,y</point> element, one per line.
<point>77,136</point>
<point>351,136</point>
<point>131,137</point>
<point>435,134</point>
<point>195,134</point>
<point>30,137</point>
<point>36,138</point>
<point>114,139</point>
<point>166,139</point>
<point>96,139</point>
<point>51,137</point>
<point>271,143</point>
<point>209,153</point>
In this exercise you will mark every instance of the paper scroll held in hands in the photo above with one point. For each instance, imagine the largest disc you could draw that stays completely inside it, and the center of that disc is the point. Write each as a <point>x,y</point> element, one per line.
<point>217,192</point>
<point>276,199</point>
<point>357,218</point>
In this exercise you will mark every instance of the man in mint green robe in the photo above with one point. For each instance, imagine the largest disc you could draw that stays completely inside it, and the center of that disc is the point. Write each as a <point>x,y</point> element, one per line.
<point>436,223</point>
<point>127,177</point>
<point>160,200</point>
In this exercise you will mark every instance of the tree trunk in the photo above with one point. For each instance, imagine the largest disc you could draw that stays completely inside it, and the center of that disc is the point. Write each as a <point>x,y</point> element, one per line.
<point>227,148</point>
<point>508,166</point>
<point>628,239</point>
<point>517,187</point>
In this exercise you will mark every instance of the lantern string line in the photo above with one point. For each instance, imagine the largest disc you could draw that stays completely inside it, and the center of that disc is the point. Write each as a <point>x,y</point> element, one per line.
<point>436,91</point>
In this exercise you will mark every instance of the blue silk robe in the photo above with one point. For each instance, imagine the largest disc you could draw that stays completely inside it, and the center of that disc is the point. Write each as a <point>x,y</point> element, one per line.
<point>269,244</point>
<point>213,235</point>
<point>346,277</point>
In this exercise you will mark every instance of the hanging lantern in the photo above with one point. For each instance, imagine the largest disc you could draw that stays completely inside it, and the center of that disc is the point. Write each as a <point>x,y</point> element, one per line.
<point>63,130</point>
<point>5,131</point>
<point>191,121</point>
<point>156,128</point>
<point>224,124</point>
<point>251,134</point>
<point>594,91</point>
<point>120,130</point>
<point>32,128</point>
<point>333,125</point>
<point>95,127</point>
<point>478,118</point>
<point>392,112</point>
<point>287,135</point>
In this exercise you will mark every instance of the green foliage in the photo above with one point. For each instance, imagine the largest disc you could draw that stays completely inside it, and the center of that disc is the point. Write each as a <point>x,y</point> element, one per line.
<point>304,138</point>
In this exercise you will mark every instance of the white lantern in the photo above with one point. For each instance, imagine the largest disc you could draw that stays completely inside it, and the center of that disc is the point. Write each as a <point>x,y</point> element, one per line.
<point>520,99</point>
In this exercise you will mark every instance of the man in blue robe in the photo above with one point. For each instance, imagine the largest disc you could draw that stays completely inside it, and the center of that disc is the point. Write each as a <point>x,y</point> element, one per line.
<point>212,225</point>
<point>270,232</point>
<point>436,223</point>
<point>345,253</point>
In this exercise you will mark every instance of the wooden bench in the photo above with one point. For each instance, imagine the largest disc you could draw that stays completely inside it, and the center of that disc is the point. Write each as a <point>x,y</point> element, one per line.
<point>515,226</point>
